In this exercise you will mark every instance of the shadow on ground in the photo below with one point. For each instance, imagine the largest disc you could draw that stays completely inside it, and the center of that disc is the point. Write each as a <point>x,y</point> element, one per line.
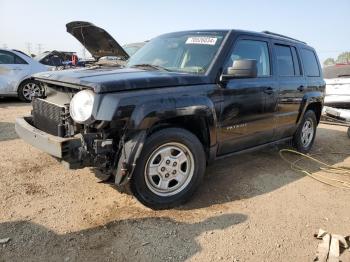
<point>7,131</point>
<point>147,239</point>
<point>11,102</point>
<point>252,174</point>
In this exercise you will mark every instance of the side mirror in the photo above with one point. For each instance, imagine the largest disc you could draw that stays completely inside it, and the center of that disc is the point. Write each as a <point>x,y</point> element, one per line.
<point>244,68</point>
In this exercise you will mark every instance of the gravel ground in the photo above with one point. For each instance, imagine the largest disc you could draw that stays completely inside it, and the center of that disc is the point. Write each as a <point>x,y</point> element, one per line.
<point>251,207</point>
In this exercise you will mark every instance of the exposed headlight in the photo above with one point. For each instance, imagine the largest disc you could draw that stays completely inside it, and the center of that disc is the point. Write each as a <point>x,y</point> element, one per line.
<point>81,106</point>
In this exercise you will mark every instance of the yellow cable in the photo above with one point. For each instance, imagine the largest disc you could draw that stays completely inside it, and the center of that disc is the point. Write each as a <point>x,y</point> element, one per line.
<point>330,169</point>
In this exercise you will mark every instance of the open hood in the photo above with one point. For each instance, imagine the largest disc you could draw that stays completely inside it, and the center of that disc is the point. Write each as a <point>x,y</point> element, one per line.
<point>96,40</point>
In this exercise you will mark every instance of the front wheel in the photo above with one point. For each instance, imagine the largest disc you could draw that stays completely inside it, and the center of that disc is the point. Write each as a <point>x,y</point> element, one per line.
<point>305,135</point>
<point>30,89</point>
<point>169,169</point>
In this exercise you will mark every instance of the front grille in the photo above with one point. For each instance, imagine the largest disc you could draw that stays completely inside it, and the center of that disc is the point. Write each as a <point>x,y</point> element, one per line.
<point>47,116</point>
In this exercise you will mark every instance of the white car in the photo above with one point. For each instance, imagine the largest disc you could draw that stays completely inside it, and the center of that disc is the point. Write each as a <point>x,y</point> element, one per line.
<point>337,79</point>
<point>16,69</point>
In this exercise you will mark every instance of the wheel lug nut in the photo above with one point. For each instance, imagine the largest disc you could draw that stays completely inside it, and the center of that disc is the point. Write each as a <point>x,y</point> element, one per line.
<point>167,162</point>
<point>166,175</point>
<point>174,172</point>
<point>174,164</point>
<point>162,169</point>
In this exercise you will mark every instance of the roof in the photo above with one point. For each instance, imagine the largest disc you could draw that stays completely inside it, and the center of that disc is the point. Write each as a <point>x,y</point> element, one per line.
<point>271,35</point>
<point>267,34</point>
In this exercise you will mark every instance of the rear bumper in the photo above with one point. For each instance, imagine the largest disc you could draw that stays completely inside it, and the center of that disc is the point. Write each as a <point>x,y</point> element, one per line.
<point>59,147</point>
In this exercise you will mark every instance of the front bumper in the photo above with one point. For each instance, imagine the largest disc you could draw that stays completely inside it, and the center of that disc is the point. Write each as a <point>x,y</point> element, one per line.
<point>63,148</point>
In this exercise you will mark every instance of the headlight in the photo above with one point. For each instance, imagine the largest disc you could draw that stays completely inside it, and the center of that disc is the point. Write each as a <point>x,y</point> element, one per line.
<point>81,106</point>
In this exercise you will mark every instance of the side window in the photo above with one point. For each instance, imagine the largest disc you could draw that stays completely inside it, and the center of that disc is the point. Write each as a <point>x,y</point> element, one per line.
<point>10,58</point>
<point>310,63</point>
<point>252,49</point>
<point>285,62</point>
<point>6,58</point>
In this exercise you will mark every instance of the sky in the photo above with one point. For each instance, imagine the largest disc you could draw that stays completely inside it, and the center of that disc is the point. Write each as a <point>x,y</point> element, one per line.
<point>322,24</point>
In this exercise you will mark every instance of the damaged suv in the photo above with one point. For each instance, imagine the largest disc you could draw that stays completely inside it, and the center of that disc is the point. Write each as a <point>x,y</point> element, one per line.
<point>182,101</point>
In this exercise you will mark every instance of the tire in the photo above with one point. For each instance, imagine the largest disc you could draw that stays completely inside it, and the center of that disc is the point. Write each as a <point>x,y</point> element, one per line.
<point>163,177</point>
<point>305,135</point>
<point>28,89</point>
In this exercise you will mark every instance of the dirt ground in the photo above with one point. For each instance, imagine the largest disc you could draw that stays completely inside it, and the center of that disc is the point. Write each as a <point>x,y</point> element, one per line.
<point>251,207</point>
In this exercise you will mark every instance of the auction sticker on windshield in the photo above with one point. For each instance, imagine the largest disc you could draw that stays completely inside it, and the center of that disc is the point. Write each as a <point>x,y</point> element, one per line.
<point>201,40</point>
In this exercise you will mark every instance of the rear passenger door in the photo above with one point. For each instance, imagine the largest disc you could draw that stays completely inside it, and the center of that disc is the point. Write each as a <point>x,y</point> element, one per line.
<point>291,88</point>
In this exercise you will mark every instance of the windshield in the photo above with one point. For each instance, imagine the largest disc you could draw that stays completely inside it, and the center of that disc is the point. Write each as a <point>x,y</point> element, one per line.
<point>190,52</point>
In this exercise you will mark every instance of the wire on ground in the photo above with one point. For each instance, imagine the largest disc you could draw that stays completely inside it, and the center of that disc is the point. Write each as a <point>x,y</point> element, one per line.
<point>333,175</point>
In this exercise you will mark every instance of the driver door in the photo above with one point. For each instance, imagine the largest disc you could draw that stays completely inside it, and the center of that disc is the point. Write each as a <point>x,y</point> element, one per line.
<point>247,116</point>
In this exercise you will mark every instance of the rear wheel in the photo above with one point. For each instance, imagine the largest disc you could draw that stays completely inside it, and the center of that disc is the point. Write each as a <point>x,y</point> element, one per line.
<point>169,169</point>
<point>29,89</point>
<point>305,135</point>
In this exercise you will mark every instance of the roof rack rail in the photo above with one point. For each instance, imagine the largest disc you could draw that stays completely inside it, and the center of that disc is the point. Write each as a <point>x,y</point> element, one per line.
<point>283,36</point>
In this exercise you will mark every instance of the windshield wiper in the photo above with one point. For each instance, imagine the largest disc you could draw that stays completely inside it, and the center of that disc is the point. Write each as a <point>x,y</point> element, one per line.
<point>157,67</point>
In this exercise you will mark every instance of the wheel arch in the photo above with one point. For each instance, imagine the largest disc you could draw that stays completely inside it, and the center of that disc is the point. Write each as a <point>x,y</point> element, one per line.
<point>197,125</point>
<point>317,108</point>
<point>196,115</point>
<point>22,82</point>
<point>311,101</point>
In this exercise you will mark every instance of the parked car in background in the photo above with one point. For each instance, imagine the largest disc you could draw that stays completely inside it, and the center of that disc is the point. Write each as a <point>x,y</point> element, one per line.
<point>58,59</point>
<point>182,101</point>
<point>16,69</point>
<point>337,79</point>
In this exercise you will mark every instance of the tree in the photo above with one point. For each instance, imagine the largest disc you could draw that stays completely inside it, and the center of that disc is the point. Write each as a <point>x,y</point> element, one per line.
<point>344,58</point>
<point>329,61</point>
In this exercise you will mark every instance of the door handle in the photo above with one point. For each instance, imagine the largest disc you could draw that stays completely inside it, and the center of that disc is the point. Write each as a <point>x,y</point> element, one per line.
<point>301,88</point>
<point>268,90</point>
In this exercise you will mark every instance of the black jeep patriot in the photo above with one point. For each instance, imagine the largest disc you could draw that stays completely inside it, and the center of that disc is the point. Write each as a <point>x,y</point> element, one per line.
<point>182,101</point>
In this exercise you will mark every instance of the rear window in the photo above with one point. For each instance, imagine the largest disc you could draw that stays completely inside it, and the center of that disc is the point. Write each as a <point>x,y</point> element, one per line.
<point>310,63</point>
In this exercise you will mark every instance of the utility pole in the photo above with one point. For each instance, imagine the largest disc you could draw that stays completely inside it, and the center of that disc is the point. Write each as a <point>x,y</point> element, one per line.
<point>29,48</point>
<point>39,47</point>
<point>84,53</point>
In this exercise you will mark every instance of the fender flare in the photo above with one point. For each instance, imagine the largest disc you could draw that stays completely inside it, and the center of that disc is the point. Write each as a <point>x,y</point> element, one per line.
<point>308,99</point>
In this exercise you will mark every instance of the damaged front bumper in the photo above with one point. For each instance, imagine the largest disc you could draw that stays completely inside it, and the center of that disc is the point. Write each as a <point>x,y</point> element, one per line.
<point>63,148</point>
<point>85,150</point>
